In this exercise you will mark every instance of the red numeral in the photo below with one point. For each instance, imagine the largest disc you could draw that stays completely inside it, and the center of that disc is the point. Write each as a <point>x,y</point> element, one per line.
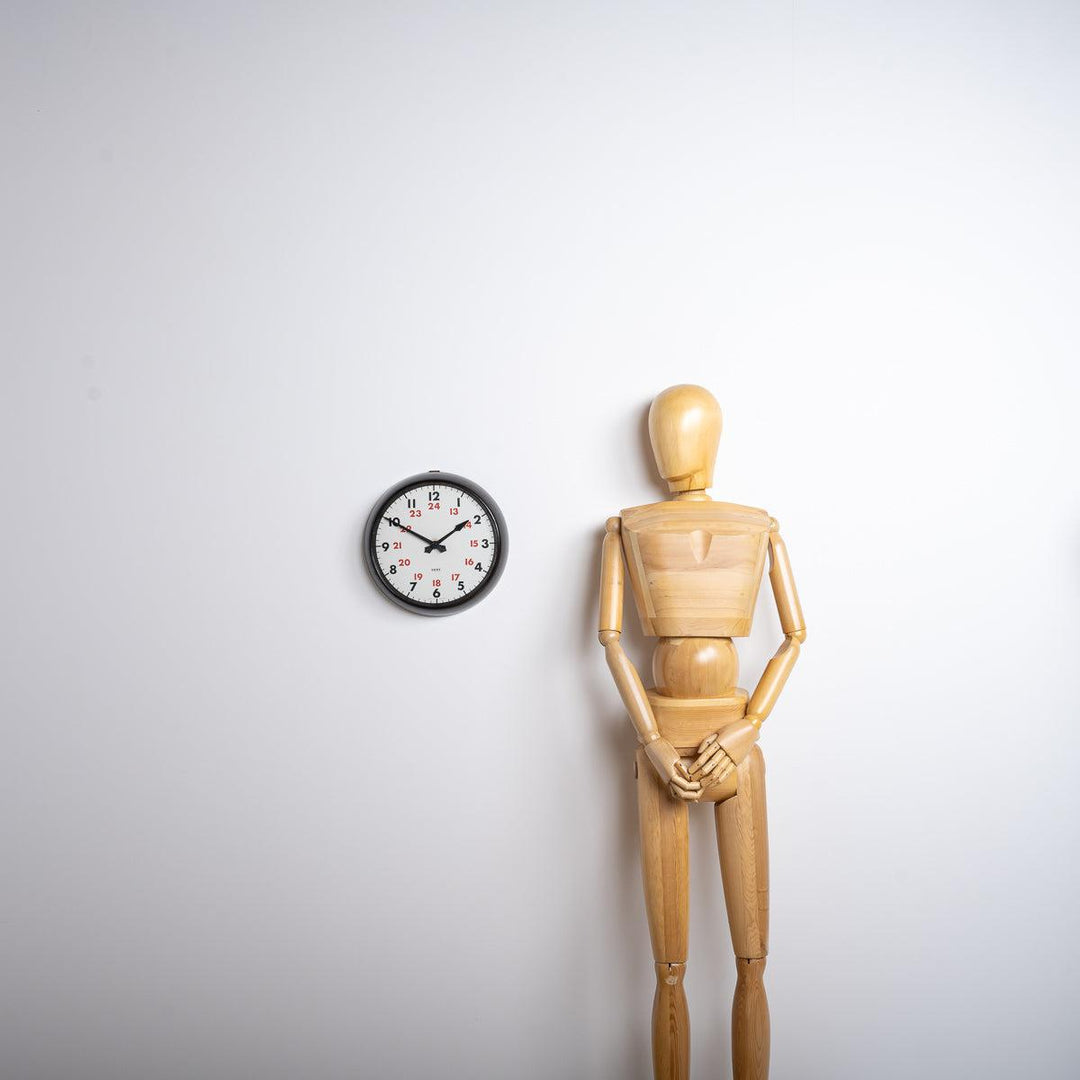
<point>398,545</point>
<point>436,582</point>
<point>416,513</point>
<point>433,506</point>
<point>454,577</point>
<point>454,511</point>
<point>418,577</point>
<point>404,562</point>
<point>468,562</point>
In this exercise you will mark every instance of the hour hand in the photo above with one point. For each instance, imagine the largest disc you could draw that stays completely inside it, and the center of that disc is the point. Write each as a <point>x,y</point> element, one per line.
<point>456,528</point>
<point>432,544</point>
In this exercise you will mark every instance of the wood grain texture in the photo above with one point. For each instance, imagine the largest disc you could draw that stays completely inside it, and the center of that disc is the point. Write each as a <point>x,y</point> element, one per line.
<point>783,584</point>
<point>750,1026</point>
<point>695,667</point>
<point>685,422</point>
<point>665,864</point>
<point>742,840</point>
<point>631,689</point>
<point>695,567</point>
<point>611,579</point>
<point>665,871</point>
<point>670,1024</point>
<point>773,679</point>
<point>684,722</point>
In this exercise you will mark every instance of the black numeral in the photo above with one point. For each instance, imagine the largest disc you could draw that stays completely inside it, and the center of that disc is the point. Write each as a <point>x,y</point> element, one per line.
<point>461,586</point>
<point>485,543</point>
<point>479,566</point>
<point>410,503</point>
<point>436,594</point>
<point>476,520</point>
<point>393,569</point>
<point>434,496</point>
<point>385,547</point>
<point>412,585</point>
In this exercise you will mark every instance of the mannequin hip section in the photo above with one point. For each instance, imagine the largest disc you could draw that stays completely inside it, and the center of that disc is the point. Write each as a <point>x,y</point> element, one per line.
<point>695,692</point>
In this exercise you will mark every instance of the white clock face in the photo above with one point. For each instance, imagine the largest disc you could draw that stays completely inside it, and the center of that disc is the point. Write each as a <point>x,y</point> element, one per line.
<point>434,543</point>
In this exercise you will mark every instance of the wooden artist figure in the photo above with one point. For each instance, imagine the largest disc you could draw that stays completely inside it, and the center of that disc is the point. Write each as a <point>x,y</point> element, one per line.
<point>695,567</point>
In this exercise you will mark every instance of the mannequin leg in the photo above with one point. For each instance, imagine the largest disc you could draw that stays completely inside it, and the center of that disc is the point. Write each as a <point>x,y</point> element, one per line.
<point>742,837</point>
<point>665,866</point>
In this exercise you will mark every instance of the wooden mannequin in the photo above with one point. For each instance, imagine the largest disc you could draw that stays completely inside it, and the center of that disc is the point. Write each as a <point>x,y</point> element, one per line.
<point>695,566</point>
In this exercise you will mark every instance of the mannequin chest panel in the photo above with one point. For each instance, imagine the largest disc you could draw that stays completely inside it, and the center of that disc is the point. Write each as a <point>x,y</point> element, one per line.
<point>695,567</point>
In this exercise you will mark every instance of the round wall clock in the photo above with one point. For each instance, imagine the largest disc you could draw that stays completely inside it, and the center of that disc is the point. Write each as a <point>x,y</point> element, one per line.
<point>435,543</point>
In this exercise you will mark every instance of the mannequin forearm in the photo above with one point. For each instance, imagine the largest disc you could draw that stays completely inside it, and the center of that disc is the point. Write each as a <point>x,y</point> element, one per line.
<point>630,687</point>
<point>773,678</point>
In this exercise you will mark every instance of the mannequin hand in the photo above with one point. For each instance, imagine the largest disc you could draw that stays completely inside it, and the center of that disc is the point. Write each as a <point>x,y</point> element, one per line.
<point>665,760</point>
<point>722,752</point>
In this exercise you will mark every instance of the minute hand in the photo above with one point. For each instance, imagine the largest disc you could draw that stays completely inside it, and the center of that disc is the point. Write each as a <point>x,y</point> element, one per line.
<point>419,536</point>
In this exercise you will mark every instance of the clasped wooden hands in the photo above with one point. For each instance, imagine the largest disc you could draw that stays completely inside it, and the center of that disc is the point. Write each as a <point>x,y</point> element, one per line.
<point>719,754</point>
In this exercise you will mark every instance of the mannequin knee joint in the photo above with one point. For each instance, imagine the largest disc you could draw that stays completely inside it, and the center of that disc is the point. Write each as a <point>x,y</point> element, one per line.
<point>670,974</point>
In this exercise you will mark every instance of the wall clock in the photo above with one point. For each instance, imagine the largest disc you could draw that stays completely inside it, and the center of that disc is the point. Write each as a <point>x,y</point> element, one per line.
<point>435,543</point>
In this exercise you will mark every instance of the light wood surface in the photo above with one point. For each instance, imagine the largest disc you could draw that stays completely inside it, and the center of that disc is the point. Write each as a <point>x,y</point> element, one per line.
<point>743,843</point>
<point>724,750</point>
<point>611,579</point>
<point>750,1026</point>
<point>671,1024</point>
<point>789,609</point>
<point>783,584</point>
<point>685,722</point>
<point>662,756</point>
<point>695,568</point>
<point>772,680</point>
<point>695,667</point>
<point>665,872</point>
<point>684,428</point>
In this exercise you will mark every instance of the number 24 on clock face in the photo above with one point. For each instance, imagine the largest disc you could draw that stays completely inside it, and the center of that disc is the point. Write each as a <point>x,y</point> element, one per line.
<point>435,543</point>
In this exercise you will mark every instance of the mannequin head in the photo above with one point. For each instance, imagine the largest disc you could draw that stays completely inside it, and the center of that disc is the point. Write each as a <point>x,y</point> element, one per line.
<point>684,427</point>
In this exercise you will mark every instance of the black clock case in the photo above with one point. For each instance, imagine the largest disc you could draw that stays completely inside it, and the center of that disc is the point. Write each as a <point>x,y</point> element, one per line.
<point>502,543</point>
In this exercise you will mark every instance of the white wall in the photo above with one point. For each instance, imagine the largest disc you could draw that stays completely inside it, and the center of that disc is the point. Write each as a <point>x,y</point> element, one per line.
<point>261,261</point>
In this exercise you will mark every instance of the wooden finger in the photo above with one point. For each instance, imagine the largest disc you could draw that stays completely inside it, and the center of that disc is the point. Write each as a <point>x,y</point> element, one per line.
<point>701,761</point>
<point>686,796</point>
<point>685,783</point>
<point>716,759</point>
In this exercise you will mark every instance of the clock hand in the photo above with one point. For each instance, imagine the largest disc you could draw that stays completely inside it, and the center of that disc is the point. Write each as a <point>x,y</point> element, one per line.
<point>432,544</point>
<point>451,532</point>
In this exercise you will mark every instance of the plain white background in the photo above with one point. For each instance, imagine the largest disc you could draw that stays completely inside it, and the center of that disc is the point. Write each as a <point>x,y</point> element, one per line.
<point>260,261</point>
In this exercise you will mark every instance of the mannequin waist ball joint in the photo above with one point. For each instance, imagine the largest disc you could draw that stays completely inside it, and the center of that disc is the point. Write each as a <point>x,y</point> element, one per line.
<point>695,567</point>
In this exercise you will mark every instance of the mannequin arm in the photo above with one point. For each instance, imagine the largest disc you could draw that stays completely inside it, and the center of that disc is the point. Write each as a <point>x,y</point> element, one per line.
<point>722,751</point>
<point>661,753</point>
<point>792,623</point>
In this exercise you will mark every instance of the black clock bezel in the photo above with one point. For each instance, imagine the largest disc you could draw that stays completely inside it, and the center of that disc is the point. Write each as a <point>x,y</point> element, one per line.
<point>494,514</point>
